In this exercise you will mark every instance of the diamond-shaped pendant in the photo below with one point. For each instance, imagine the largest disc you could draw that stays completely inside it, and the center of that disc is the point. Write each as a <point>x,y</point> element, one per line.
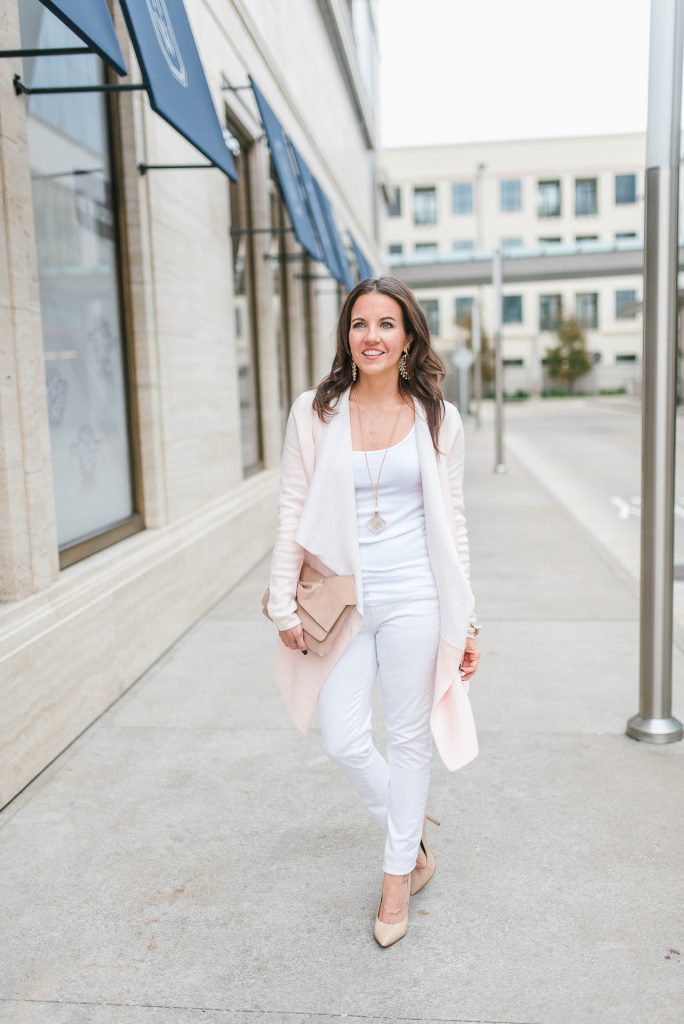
<point>376,523</point>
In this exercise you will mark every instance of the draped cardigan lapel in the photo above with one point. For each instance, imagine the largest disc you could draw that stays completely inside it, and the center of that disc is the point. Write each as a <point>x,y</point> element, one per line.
<point>328,536</point>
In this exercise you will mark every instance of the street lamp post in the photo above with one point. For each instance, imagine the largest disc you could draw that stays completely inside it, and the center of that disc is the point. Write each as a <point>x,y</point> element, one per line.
<point>476,341</point>
<point>655,722</point>
<point>477,302</point>
<point>500,465</point>
<point>462,360</point>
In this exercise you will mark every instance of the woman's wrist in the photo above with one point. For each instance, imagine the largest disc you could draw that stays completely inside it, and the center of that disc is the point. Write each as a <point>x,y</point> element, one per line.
<point>283,622</point>
<point>474,627</point>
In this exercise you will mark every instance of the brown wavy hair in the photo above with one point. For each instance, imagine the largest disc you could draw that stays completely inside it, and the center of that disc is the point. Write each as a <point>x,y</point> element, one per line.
<point>425,366</point>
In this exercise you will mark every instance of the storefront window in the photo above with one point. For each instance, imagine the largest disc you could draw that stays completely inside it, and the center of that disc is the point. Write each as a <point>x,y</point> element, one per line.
<point>279,220</point>
<point>78,275</point>
<point>326,307</point>
<point>243,292</point>
<point>308,268</point>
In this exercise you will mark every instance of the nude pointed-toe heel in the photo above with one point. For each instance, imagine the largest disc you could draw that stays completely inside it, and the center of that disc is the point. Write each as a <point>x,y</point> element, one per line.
<point>421,876</point>
<point>387,934</point>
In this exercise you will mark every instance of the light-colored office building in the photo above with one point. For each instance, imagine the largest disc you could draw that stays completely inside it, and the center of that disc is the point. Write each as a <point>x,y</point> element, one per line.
<point>158,315</point>
<point>568,216</point>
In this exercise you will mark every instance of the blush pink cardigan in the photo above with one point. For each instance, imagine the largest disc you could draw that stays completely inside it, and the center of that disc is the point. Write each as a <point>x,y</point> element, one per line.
<point>317,524</point>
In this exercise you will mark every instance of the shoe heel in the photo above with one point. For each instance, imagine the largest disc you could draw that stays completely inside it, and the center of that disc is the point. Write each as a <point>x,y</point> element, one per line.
<point>421,876</point>
<point>387,934</point>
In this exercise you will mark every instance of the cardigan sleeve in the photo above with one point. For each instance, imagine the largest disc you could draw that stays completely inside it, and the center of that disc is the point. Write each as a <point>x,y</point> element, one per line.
<point>288,555</point>
<point>456,469</point>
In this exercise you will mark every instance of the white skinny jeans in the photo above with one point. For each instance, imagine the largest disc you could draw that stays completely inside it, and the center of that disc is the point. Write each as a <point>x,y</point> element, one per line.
<point>400,638</point>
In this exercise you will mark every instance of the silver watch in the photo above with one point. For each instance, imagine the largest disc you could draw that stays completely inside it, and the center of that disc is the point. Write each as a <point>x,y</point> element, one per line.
<point>473,629</point>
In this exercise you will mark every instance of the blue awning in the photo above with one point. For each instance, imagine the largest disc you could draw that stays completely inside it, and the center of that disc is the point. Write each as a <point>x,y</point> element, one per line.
<point>322,216</point>
<point>362,265</point>
<point>327,249</point>
<point>92,22</point>
<point>174,77</point>
<point>344,274</point>
<point>288,178</point>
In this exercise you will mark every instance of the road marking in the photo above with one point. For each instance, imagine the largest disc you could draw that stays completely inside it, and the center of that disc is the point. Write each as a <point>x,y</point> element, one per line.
<point>627,507</point>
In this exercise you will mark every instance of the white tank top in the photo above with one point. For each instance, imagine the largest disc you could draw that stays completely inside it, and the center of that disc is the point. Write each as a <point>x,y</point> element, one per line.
<point>395,562</point>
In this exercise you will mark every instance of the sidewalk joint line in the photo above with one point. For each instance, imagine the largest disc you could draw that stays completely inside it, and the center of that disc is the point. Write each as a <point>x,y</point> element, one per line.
<point>264,1013</point>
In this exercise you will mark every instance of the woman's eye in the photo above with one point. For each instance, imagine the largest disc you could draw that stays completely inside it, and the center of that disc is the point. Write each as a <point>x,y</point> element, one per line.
<point>387,323</point>
<point>358,323</point>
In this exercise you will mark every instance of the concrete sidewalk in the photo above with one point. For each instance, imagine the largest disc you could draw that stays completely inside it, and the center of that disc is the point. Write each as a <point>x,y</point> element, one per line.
<point>192,857</point>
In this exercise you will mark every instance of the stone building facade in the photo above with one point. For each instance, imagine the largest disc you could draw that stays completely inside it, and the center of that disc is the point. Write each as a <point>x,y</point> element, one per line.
<point>154,329</point>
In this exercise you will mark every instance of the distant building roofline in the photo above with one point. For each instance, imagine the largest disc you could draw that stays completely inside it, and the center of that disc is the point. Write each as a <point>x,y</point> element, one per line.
<point>522,139</point>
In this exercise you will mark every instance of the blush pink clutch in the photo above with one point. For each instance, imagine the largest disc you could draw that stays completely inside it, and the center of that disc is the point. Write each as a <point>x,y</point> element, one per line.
<point>323,605</point>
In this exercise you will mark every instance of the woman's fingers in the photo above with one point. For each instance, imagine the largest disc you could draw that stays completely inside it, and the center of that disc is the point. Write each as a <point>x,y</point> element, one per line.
<point>294,639</point>
<point>469,662</point>
<point>300,643</point>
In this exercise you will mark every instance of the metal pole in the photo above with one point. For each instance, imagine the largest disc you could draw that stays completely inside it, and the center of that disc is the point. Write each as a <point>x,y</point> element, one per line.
<point>477,304</point>
<point>654,722</point>
<point>463,389</point>
<point>476,334</point>
<point>500,465</point>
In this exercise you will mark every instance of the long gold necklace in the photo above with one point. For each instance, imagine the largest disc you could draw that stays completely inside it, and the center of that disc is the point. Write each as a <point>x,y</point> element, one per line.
<point>376,523</point>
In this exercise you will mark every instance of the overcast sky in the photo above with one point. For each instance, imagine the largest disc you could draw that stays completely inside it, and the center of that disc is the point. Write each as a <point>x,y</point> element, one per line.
<point>475,70</point>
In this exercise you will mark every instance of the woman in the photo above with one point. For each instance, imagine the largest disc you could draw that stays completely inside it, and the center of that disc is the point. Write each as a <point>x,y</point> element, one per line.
<point>371,485</point>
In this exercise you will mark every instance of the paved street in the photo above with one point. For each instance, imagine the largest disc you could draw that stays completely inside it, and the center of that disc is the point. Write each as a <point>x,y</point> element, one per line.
<point>587,451</point>
<point>192,857</point>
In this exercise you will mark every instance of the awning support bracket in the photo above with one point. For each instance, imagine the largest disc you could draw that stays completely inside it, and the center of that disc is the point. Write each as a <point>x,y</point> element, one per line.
<point>144,168</point>
<point>287,257</point>
<point>260,231</point>
<point>20,88</point>
<point>54,52</point>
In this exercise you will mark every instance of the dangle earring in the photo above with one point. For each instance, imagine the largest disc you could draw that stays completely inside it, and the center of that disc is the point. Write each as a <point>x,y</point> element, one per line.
<point>402,366</point>
<point>353,370</point>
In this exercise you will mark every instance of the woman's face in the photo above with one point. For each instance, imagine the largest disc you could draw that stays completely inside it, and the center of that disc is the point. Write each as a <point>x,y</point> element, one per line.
<point>376,334</point>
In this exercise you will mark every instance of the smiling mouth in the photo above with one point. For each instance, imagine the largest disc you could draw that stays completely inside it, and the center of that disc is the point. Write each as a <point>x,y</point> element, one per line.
<point>372,355</point>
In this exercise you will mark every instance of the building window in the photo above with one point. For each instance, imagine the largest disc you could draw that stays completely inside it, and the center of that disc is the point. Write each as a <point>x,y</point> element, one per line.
<point>585,197</point>
<point>308,271</point>
<point>586,306</point>
<point>548,198</point>
<point>244,299</point>
<point>550,312</point>
<point>512,242</point>
<point>425,248</point>
<point>431,310</point>
<point>625,236</point>
<point>394,205</point>
<point>281,298</point>
<point>396,249</point>
<point>464,309</point>
<point>425,205</point>
<point>625,188</point>
<point>626,357</point>
<point>462,197</point>
<point>511,195</point>
<point>513,362</point>
<point>586,238</point>
<point>625,297</point>
<point>74,194</point>
<point>463,245</point>
<point>550,240</point>
<point>512,309</point>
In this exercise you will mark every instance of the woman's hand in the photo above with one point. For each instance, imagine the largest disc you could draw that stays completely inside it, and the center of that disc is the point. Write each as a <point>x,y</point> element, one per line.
<point>471,656</point>
<point>294,638</point>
